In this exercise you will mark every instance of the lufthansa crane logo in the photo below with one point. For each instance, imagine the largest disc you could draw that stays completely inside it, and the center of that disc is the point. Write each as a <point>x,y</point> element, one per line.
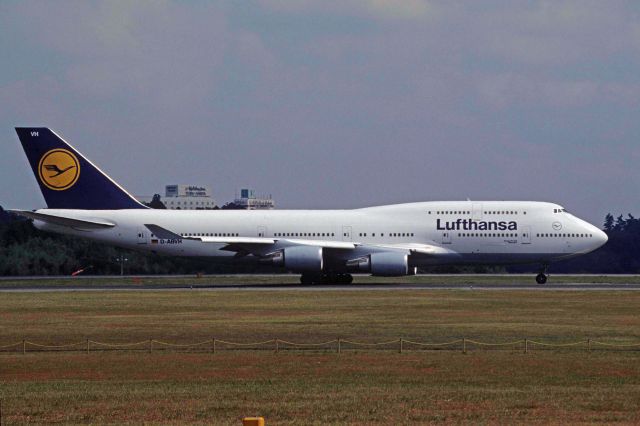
<point>59,169</point>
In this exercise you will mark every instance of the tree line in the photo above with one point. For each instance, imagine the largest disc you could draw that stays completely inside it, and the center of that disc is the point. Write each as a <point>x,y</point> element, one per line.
<point>620,255</point>
<point>24,250</point>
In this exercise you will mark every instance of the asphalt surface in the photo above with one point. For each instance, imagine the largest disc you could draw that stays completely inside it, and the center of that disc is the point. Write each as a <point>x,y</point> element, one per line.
<point>524,276</point>
<point>243,282</point>
<point>524,286</point>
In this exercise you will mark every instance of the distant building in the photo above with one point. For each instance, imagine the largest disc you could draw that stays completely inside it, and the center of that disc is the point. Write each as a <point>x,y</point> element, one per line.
<point>185,197</point>
<point>248,200</point>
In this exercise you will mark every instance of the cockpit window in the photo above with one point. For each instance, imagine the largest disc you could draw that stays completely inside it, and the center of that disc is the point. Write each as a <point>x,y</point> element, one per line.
<point>559,210</point>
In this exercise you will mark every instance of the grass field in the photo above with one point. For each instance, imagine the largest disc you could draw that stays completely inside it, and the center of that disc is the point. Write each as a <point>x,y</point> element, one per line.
<point>356,386</point>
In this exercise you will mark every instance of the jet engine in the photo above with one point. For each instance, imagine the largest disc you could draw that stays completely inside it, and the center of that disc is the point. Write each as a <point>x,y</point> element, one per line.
<point>297,258</point>
<point>389,264</point>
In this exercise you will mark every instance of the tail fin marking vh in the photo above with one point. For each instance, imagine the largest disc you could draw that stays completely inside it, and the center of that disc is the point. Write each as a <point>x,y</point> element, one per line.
<point>66,178</point>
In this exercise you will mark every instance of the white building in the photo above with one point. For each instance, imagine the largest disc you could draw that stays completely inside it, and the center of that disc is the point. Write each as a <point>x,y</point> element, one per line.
<point>185,197</point>
<point>249,201</point>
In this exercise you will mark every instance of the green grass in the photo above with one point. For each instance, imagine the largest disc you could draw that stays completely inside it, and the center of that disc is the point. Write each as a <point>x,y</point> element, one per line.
<point>356,386</point>
<point>293,388</point>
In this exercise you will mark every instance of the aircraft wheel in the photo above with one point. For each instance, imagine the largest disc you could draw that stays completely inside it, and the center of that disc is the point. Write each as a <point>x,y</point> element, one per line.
<point>344,279</point>
<point>328,279</point>
<point>306,279</point>
<point>541,278</point>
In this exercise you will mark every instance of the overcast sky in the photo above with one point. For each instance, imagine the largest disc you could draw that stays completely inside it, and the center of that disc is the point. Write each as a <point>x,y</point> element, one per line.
<point>333,103</point>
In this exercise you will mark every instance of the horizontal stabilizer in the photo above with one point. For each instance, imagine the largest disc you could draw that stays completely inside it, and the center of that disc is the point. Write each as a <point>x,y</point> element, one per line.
<point>65,221</point>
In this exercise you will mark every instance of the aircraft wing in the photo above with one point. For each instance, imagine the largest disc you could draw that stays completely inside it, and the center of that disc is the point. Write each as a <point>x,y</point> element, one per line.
<point>418,249</point>
<point>243,243</point>
<point>165,234</point>
<point>81,224</point>
<point>262,245</point>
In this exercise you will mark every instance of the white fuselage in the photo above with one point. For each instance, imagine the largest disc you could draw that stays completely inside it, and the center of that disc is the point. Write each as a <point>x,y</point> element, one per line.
<point>493,232</point>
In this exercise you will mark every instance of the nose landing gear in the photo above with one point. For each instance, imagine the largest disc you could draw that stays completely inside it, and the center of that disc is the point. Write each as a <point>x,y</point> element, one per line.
<point>541,278</point>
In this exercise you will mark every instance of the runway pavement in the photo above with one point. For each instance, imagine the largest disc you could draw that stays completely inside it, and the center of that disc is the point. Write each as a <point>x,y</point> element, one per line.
<point>524,286</point>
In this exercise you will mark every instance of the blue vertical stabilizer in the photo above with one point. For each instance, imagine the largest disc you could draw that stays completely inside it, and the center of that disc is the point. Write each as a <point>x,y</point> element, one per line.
<point>66,178</point>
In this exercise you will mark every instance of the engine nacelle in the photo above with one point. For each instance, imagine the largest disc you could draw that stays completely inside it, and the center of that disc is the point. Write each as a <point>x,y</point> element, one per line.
<point>298,258</point>
<point>384,264</point>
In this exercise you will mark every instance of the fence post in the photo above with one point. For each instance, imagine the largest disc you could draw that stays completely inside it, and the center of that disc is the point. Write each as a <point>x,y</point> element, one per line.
<point>24,347</point>
<point>213,347</point>
<point>589,344</point>
<point>464,345</point>
<point>150,345</point>
<point>400,350</point>
<point>339,344</point>
<point>87,345</point>
<point>526,346</point>
<point>277,346</point>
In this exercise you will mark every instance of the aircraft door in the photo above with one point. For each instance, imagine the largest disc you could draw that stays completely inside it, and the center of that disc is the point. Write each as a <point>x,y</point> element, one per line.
<point>525,235</point>
<point>346,233</point>
<point>567,245</point>
<point>477,211</point>
<point>262,231</point>
<point>142,236</point>
<point>446,237</point>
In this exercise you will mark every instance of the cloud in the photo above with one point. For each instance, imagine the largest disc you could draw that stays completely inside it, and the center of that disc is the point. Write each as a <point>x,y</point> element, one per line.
<point>380,9</point>
<point>555,33</point>
<point>522,89</point>
<point>155,52</point>
<point>407,9</point>
<point>334,103</point>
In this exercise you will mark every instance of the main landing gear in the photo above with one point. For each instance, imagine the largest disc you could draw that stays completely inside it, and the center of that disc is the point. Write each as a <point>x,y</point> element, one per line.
<point>326,279</point>
<point>541,278</point>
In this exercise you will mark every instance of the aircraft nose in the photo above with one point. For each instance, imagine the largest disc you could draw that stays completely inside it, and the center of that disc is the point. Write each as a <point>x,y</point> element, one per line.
<point>601,237</point>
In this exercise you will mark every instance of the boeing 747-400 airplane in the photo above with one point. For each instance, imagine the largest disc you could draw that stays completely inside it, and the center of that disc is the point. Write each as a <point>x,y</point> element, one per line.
<point>322,245</point>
